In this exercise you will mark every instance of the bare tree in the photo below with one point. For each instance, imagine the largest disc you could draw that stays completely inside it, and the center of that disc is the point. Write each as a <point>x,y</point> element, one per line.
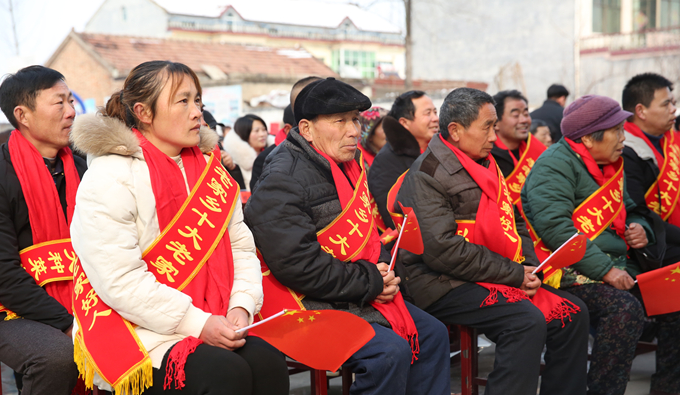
<point>408,81</point>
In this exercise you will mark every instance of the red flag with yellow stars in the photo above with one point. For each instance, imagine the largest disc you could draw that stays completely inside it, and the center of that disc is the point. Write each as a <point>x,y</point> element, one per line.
<point>411,239</point>
<point>320,339</point>
<point>660,289</point>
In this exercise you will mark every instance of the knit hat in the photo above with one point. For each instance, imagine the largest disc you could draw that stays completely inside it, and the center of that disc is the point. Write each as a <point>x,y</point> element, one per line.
<point>591,113</point>
<point>370,119</point>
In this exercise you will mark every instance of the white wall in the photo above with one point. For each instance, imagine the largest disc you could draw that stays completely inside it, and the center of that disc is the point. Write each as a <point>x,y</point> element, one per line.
<point>475,40</point>
<point>129,17</point>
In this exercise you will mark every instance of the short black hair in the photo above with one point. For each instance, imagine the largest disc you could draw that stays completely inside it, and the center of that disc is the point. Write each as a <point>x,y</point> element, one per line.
<point>640,90</point>
<point>403,105</point>
<point>462,106</point>
<point>535,124</point>
<point>244,125</point>
<point>500,97</point>
<point>22,88</point>
<point>288,116</point>
<point>555,91</point>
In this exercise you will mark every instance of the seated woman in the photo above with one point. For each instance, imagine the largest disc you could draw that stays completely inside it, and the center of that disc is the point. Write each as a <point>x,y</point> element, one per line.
<point>245,142</point>
<point>372,133</point>
<point>541,131</point>
<point>577,185</point>
<point>167,271</point>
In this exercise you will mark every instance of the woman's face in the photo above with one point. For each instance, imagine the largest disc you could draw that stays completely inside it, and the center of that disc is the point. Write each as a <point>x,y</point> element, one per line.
<point>177,121</point>
<point>258,136</point>
<point>543,135</point>
<point>378,139</point>
<point>610,148</point>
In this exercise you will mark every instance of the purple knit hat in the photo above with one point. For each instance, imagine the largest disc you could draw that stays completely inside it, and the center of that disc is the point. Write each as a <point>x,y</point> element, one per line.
<point>591,113</point>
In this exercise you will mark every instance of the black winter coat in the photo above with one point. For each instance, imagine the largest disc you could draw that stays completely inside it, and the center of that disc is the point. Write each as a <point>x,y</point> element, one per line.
<point>441,191</point>
<point>397,156</point>
<point>551,113</point>
<point>295,198</point>
<point>18,290</point>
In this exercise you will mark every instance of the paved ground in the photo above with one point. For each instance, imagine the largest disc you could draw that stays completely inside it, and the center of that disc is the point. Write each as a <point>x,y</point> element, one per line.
<point>643,367</point>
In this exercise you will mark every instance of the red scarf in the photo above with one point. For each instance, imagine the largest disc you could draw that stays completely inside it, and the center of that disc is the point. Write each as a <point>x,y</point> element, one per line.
<point>280,136</point>
<point>210,290</point>
<point>45,212</point>
<point>522,147</point>
<point>601,177</point>
<point>368,155</point>
<point>395,311</point>
<point>488,232</point>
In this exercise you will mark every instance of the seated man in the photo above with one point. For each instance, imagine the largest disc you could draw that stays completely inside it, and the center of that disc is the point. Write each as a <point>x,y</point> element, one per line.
<point>474,244</point>
<point>577,185</point>
<point>40,176</point>
<point>311,219</point>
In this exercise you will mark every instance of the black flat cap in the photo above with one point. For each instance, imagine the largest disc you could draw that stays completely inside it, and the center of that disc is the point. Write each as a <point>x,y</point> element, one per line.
<point>329,96</point>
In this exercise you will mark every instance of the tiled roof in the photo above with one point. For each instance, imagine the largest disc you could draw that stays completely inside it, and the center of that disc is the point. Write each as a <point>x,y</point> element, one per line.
<point>123,53</point>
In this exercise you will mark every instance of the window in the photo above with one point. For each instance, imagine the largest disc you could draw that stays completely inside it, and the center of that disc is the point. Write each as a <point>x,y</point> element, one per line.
<point>607,16</point>
<point>124,13</point>
<point>670,13</point>
<point>354,64</point>
<point>644,14</point>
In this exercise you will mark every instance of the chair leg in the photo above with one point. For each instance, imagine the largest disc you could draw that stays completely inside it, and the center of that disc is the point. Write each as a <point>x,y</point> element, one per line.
<point>468,360</point>
<point>346,380</point>
<point>319,382</point>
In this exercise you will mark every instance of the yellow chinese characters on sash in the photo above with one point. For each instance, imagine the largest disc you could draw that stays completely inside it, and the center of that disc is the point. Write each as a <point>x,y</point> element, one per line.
<point>347,235</point>
<point>518,177</point>
<point>662,196</point>
<point>47,262</point>
<point>107,344</point>
<point>600,209</point>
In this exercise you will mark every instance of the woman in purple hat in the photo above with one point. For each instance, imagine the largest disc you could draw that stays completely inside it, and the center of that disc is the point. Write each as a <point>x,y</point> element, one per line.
<point>577,185</point>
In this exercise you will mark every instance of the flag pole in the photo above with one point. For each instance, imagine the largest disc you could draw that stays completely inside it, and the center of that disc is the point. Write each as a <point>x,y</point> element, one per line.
<point>396,245</point>
<point>279,314</point>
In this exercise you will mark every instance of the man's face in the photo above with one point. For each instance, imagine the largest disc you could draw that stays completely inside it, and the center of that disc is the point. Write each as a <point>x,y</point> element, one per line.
<point>336,135</point>
<point>49,124</point>
<point>425,122</point>
<point>543,135</point>
<point>515,124</point>
<point>660,115</point>
<point>477,140</point>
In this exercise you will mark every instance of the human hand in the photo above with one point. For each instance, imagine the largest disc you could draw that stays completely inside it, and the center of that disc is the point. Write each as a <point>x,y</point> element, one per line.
<point>531,281</point>
<point>619,279</point>
<point>635,235</point>
<point>238,317</point>
<point>390,284</point>
<point>219,332</point>
<point>228,161</point>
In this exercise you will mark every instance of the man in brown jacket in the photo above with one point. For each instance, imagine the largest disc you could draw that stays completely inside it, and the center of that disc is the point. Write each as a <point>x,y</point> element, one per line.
<point>469,273</point>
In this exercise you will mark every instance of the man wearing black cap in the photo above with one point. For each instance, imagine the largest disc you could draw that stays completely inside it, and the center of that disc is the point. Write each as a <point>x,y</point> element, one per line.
<point>551,110</point>
<point>311,220</point>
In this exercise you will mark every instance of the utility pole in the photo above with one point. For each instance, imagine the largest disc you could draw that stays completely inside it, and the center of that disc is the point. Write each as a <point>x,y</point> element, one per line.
<point>408,82</point>
<point>14,28</point>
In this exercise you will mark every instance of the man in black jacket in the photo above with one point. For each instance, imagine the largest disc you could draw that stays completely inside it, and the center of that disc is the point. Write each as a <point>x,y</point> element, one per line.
<point>551,110</point>
<point>39,105</point>
<point>469,273</point>
<point>409,127</point>
<point>301,193</point>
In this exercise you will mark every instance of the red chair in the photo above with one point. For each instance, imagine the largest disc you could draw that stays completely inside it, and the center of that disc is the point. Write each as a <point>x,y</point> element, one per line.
<point>319,379</point>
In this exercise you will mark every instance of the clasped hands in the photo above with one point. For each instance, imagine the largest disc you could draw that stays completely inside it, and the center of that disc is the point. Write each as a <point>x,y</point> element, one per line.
<point>390,283</point>
<point>220,331</point>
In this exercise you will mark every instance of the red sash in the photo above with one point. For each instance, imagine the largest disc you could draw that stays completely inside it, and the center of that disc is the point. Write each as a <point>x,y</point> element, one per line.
<point>192,254</point>
<point>498,233</point>
<point>529,151</point>
<point>49,228</point>
<point>662,197</point>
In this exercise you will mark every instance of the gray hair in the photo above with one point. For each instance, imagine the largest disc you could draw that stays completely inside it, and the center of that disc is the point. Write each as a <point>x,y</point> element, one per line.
<point>462,106</point>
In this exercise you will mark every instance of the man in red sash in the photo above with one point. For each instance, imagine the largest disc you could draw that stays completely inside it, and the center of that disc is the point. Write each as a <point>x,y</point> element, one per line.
<point>471,271</point>
<point>311,219</point>
<point>37,195</point>
<point>578,185</point>
<point>652,153</point>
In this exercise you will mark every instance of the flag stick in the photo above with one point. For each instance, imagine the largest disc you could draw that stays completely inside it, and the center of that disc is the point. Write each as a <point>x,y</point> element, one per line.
<point>396,246</point>
<point>553,254</point>
<point>279,314</point>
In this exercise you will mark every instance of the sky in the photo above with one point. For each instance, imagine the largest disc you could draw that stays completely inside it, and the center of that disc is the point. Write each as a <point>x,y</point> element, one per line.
<point>41,25</point>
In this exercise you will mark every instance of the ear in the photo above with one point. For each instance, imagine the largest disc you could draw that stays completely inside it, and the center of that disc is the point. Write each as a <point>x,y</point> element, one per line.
<point>287,128</point>
<point>455,130</point>
<point>143,113</point>
<point>641,111</point>
<point>305,128</point>
<point>21,114</point>
<point>404,122</point>
<point>587,141</point>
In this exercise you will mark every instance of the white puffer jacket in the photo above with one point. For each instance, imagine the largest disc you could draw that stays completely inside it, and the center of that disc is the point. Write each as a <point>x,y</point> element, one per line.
<point>115,221</point>
<point>242,153</point>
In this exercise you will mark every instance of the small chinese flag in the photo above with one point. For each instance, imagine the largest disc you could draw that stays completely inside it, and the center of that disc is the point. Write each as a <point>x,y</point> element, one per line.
<point>389,236</point>
<point>411,239</point>
<point>320,339</point>
<point>567,254</point>
<point>660,289</point>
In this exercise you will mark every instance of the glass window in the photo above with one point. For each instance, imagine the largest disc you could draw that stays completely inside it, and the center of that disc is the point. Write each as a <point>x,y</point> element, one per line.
<point>670,13</point>
<point>644,14</point>
<point>354,64</point>
<point>607,16</point>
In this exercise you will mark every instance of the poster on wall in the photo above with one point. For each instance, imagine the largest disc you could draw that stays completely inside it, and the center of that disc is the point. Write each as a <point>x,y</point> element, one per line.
<point>223,102</point>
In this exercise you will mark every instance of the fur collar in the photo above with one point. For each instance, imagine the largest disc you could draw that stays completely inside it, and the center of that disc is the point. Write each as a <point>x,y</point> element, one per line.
<point>241,152</point>
<point>97,135</point>
<point>400,139</point>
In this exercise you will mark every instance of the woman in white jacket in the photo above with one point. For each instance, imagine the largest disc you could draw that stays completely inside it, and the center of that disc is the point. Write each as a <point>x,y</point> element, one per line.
<point>146,151</point>
<point>245,142</point>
